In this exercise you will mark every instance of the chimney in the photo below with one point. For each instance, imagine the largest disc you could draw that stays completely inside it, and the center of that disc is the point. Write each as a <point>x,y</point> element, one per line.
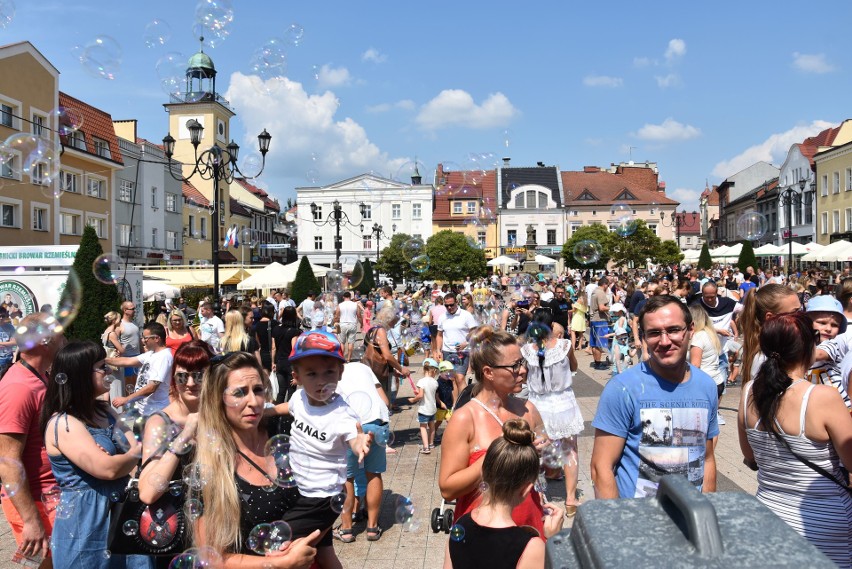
<point>661,187</point>
<point>506,161</point>
<point>591,169</point>
<point>540,164</point>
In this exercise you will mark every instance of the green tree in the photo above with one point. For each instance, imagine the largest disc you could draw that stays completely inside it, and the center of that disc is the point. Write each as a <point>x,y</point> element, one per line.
<point>305,282</point>
<point>747,257</point>
<point>704,259</point>
<point>636,248</point>
<point>596,233</point>
<point>452,257</point>
<point>368,283</point>
<point>668,253</point>
<point>392,262</point>
<point>97,298</point>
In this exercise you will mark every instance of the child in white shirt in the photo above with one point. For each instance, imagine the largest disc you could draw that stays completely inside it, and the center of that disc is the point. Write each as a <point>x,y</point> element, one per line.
<point>424,393</point>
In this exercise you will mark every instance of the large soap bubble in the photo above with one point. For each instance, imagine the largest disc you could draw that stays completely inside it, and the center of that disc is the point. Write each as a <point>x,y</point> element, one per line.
<point>752,225</point>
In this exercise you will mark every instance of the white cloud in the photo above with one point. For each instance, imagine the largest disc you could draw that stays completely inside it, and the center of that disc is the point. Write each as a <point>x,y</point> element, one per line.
<point>642,62</point>
<point>811,63</point>
<point>669,130</point>
<point>602,81</point>
<point>404,104</point>
<point>330,77</point>
<point>455,107</point>
<point>773,150</point>
<point>301,125</point>
<point>373,55</point>
<point>666,81</point>
<point>676,50</point>
<point>687,197</point>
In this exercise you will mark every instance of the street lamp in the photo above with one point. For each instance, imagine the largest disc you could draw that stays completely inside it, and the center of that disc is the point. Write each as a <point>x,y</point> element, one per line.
<point>217,164</point>
<point>339,217</point>
<point>678,220</point>
<point>787,198</point>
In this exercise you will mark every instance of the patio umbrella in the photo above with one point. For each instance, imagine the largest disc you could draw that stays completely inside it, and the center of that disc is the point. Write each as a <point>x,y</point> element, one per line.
<point>543,260</point>
<point>502,260</point>
<point>770,250</point>
<point>837,251</point>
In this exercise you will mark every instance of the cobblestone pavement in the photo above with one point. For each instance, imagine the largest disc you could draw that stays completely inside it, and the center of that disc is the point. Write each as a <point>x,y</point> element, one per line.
<point>415,476</point>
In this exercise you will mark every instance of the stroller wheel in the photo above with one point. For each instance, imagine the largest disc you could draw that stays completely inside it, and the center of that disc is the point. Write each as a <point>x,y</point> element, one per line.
<point>436,520</point>
<point>449,516</point>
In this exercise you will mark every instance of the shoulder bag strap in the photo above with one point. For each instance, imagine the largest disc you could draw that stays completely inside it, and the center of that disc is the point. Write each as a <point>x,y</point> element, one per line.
<point>812,466</point>
<point>256,467</point>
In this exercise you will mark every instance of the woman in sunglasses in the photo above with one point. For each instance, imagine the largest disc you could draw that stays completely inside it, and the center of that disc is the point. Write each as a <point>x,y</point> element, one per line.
<point>500,371</point>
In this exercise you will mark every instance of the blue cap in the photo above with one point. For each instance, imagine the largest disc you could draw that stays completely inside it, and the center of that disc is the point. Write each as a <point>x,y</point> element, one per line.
<point>825,303</point>
<point>430,362</point>
<point>317,343</point>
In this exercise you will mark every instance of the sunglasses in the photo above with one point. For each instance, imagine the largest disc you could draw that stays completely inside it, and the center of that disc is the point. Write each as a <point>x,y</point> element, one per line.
<point>515,367</point>
<point>182,377</point>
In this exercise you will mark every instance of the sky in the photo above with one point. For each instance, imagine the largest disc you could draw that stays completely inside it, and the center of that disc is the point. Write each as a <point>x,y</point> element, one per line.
<point>345,88</point>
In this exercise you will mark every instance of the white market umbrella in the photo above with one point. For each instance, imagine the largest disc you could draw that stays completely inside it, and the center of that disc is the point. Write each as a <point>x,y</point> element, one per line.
<point>770,250</point>
<point>691,254</point>
<point>719,251</point>
<point>813,246</point>
<point>837,251</point>
<point>502,260</point>
<point>158,290</point>
<point>277,275</point>
<point>544,260</point>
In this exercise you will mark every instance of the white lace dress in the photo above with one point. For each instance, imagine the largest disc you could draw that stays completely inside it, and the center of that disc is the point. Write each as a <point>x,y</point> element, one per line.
<point>551,392</point>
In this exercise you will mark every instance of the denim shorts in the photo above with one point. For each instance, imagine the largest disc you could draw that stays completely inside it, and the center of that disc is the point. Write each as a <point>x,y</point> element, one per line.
<point>597,337</point>
<point>423,419</point>
<point>376,460</point>
<point>458,359</point>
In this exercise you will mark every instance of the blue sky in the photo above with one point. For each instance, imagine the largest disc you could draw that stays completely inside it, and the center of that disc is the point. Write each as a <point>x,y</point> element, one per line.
<point>703,89</point>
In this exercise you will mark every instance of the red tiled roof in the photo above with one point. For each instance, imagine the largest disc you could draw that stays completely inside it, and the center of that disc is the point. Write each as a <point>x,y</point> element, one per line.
<point>239,209</point>
<point>690,222</point>
<point>268,202</point>
<point>192,195</point>
<point>810,146</point>
<point>606,188</point>
<point>96,123</point>
<point>453,185</point>
<point>711,195</point>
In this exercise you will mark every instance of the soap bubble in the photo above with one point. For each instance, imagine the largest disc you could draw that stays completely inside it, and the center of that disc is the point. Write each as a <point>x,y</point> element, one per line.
<point>587,252</point>
<point>130,527</point>
<point>204,557</point>
<point>413,248</point>
<point>7,13</point>
<point>537,333</point>
<point>410,169</point>
<point>337,501</point>
<point>293,34</point>
<point>279,463</point>
<point>101,57</point>
<point>457,532</point>
<point>108,379</point>
<point>353,271</point>
<point>334,280</point>
<point>157,33</point>
<point>384,437</point>
<point>420,264</point>
<point>280,534</point>
<point>405,515</point>
<point>260,539</point>
<point>51,497</point>
<point>625,221</point>
<point>195,508</point>
<point>250,163</point>
<point>68,120</point>
<point>106,268</point>
<point>325,393</point>
<point>11,465</point>
<point>196,475</point>
<point>279,444</point>
<point>171,71</point>
<point>212,18</point>
<point>360,402</point>
<point>269,61</point>
<point>115,496</point>
<point>752,225</point>
<point>60,378</point>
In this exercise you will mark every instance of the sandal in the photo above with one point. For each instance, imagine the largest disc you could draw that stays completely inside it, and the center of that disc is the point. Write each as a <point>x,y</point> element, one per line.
<point>425,450</point>
<point>571,510</point>
<point>373,534</point>
<point>344,535</point>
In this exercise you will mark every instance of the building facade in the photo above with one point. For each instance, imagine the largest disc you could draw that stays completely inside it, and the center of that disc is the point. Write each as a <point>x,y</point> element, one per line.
<point>531,198</point>
<point>834,193</point>
<point>731,192</point>
<point>465,202</point>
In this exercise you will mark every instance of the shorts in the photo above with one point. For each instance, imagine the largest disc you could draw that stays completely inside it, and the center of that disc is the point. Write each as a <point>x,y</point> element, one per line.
<point>348,331</point>
<point>129,371</point>
<point>423,419</point>
<point>309,514</point>
<point>443,414</point>
<point>376,460</point>
<point>458,359</point>
<point>720,389</point>
<point>17,524</point>
<point>599,330</point>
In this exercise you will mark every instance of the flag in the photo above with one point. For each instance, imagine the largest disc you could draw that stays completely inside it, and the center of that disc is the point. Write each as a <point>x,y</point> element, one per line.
<point>235,238</point>
<point>227,238</point>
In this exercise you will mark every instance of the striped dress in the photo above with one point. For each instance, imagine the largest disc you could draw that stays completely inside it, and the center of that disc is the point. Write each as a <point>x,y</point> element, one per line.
<point>816,507</point>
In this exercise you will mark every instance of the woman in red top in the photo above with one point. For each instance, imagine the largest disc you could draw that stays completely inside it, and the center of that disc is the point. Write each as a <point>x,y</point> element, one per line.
<point>178,333</point>
<point>500,370</point>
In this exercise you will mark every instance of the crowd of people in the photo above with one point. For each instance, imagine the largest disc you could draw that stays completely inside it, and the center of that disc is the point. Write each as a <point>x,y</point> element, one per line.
<point>263,432</point>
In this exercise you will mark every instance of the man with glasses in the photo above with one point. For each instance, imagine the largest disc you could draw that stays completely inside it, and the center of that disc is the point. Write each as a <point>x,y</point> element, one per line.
<point>151,392</point>
<point>451,343</point>
<point>129,338</point>
<point>658,417</point>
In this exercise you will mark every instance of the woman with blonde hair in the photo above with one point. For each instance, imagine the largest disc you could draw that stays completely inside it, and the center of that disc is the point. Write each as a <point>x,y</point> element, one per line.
<point>177,331</point>
<point>231,473</point>
<point>236,338</point>
<point>705,350</point>
<point>760,304</point>
<point>378,342</point>
<point>110,338</point>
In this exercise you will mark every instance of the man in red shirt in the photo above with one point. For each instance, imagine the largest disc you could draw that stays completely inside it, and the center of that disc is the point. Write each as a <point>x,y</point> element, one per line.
<point>24,467</point>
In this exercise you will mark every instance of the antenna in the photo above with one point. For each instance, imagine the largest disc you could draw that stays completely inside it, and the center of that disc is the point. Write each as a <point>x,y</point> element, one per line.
<point>630,152</point>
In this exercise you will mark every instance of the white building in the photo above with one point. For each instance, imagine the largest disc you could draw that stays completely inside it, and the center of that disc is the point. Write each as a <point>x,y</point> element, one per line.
<point>364,201</point>
<point>796,170</point>
<point>531,196</point>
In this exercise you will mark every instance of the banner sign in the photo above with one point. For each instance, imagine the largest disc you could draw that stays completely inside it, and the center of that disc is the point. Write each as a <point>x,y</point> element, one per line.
<point>38,256</point>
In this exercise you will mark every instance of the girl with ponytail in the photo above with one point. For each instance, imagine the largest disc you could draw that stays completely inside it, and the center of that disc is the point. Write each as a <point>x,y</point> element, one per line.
<point>796,435</point>
<point>757,307</point>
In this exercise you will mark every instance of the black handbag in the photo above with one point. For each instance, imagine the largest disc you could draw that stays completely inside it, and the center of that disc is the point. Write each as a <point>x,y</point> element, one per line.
<point>136,528</point>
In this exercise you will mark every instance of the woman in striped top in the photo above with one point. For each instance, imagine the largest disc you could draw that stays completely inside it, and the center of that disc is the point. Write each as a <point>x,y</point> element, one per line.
<point>783,419</point>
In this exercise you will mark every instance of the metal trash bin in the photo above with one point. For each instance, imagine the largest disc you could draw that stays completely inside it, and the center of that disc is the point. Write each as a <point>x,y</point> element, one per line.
<point>680,527</point>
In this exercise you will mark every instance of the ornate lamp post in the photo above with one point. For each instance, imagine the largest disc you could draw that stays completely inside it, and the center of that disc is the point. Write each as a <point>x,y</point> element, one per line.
<point>678,220</point>
<point>338,216</point>
<point>789,197</point>
<point>217,164</point>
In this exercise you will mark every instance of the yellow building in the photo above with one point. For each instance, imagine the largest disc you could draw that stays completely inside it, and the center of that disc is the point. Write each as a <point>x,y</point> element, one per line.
<point>466,202</point>
<point>43,201</point>
<point>834,190</point>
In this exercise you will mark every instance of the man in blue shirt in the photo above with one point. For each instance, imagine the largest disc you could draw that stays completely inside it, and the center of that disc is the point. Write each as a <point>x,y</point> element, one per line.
<point>659,417</point>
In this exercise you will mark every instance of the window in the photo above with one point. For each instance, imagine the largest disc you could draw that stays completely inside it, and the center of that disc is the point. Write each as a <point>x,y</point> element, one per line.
<point>512,236</point>
<point>471,207</point>
<point>101,147</point>
<point>155,232</point>
<point>76,140</point>
<point>171,202</point>
<point>191,227</point>
<point>809,208</point>
<point>7,215</point>
<point>38,174</point>
<point>575,225</point>
<point>153,197</point>
<point>171,240</point>
<point>689,240</point>
<point>824,191</point>
<point>7,115</point>
<point>480,238</point>
<point>40,217</point>
<point>38,125</point>
<point>396,211</point>
<point>203,227</point>
<point>416,210</point>
<point>95,188</point>
<point>653,227</point>
<point>123,235</point>
<point>125,191</point>
<point>849,219</point>
<point>849,179</point>
<point>531,198</point>
<point>797,212</point>
<point>318,243</point>
<point>653,211</point>
<point>69,224</point>
<point>10,167</point>
<point>368,241</point>
<point>368,212</point>
<point>575,213</point>
<point>519,200</point>
<point>542,200</point>
<point>835,188</point>
<point>457,208</point>
<point>551,237</point>
<point>318,213</point>
<point>99,224</point>
<point>835,221</point>
<point>69,182</point>
<point>824,223</point>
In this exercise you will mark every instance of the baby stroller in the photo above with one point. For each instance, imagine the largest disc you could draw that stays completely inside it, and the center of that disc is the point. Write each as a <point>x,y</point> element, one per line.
<point>442,517</point>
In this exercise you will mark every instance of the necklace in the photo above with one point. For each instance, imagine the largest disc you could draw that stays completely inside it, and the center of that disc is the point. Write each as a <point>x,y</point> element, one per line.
<point>795,382</point>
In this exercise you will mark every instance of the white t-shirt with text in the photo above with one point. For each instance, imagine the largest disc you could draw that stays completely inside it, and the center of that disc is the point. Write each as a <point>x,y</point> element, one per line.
<point>156,367</point>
